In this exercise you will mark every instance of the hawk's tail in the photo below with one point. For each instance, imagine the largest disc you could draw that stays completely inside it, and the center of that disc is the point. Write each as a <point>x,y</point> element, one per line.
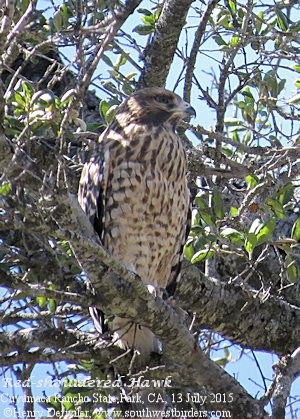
<point>129,335</point>
<point>148,402</point>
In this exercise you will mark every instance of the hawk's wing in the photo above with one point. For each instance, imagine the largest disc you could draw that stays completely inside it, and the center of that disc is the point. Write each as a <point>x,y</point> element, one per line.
<point>91,197</point>
<point>179,256</point>
<point>92,187</point>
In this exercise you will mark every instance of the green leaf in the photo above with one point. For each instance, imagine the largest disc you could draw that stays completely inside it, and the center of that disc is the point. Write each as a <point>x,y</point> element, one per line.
<point>234,40</point>
<point>110,113</point>
<point>58,20</point>
<point>234,236</point>
<point>256,225</point>
<point>104,107</point>
<point>157,13</point>
<point>296,67</point>
<point>121,61</point>
<point>18,98</point>
<point>145,12</point>
<point>240,104</point>
<point>296,230</point>
<point>42,301</point>
<point>188,250</point>
<point>291,269</point>
<point>107,60</point>
<point>144,29</point>
<point>251,181</point>
<point>200,202</point>
<point>271,82</point>
<point>236,136</point>
<point>202,255</point>
<point>221,361</point>
<point>204,212</point>
<point>286,193</point>
<point>131,75</point>
<point>258,234</point>
<point>201,242</point>
<point>227,358</point>
<point>5,189</point>
<point>224,20</point>
<point>248,95</point>
<point>207,217</point>
<point>282,20</point>
<point>149,20</point>
<point>297,83</point>
<point>234,211</point>
<point>265,233</point>
<point>52,305</point>
<point>12,125</point>
<point>277,207</point>
<point>218,207</point>
<point>27,89</point>
<point>232,5</point>
<point>259,21</point>
<point>94,126</point>
<point>250,243</point>
<point>220,41</point>
<point>247,137</point>
<point>231,122</point>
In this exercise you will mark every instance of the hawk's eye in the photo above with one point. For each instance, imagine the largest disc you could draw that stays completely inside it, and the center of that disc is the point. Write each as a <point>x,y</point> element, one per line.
<point>162,99</point>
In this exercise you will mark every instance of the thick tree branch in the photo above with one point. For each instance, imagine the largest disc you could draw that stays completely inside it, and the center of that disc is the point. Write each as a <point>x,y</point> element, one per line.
<point>159,54</point>
<point>236,305</point>
<point>180,347</point>
<point>63,344</point>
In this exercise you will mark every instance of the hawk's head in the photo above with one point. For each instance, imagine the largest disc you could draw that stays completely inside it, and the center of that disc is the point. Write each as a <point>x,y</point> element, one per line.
<point>155,105</point>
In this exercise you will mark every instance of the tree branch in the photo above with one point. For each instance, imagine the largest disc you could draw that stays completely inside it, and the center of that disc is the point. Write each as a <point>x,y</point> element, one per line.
<point>236,305</point>
<point>159,54</point>
<point>286,371</point>
<point>195,49</point>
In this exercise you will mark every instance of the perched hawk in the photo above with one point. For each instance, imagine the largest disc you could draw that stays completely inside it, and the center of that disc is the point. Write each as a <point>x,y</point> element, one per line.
<point>135,192</point>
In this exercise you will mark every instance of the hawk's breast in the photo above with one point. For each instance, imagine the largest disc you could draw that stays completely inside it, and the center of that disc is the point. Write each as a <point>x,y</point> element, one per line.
<point>146,201</point>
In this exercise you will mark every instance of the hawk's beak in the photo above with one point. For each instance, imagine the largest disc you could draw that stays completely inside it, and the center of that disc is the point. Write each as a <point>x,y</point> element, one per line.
<point>186,108</point>
<point>190,110</point>
<point>183,110</point>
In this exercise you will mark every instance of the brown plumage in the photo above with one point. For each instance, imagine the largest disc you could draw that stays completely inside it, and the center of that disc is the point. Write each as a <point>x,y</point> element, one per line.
<point>135,192</point>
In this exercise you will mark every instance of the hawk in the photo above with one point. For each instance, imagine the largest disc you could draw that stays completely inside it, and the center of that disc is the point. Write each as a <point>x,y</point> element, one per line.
<point>134,190</point>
